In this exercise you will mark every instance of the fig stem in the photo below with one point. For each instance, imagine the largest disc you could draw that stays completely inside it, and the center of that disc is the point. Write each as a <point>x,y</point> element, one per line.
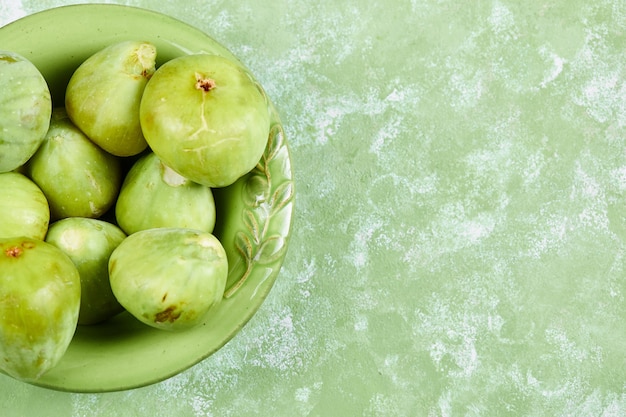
<point>146,55</point>
<point>14,252</point>
<point>205,84</point>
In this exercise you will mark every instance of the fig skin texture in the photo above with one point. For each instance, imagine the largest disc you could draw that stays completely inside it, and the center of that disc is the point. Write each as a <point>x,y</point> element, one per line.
<point>25,108</point>
<point>40,300</point>
<point>23,207</point>
<point>206,118</point>
<point>78,178</point>
<point>89,243</point>
<point>153,195</point>
<point>169,278</point>
<point>103,95</point>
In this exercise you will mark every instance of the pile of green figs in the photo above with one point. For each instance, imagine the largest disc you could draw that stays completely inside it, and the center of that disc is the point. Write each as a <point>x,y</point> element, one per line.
<point>106,201</point>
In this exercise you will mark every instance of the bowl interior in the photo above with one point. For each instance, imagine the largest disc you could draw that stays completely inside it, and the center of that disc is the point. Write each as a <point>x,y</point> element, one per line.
<point>253,215</point>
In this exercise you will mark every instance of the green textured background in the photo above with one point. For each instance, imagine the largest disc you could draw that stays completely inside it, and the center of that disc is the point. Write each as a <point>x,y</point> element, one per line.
<point>459,243</point>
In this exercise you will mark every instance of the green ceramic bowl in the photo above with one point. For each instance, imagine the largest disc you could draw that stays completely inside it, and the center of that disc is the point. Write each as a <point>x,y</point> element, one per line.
<point>254,214</point>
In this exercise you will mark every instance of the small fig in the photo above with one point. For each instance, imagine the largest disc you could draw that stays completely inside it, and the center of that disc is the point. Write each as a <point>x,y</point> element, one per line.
<point>206,118</point>
<point>40,299</point>
<point>153,195</point>
<point>169,278</point>
<point>24,209</point>
<point>78,178</point>
<point>89,243</point>
<point>103,95</point>
<point>25,108</point>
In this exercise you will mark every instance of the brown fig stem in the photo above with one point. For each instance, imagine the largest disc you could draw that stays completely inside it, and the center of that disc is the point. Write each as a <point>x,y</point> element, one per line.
<point>205,84</point>
<point>14,252</point>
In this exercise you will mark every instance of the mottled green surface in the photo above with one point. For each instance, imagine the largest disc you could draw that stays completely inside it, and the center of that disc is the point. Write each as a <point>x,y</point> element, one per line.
<point>459,245</point>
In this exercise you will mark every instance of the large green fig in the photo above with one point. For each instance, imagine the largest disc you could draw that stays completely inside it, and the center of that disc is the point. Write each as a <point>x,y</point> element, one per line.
<point>103,95</point>
<point>89,243</point>
<point>78,178</point>
<point>25,107</point>
<point>169,278</point>
<point>153,195</point>
<point>39,303</point>
<point>206,118</point>
<point>24,209</point>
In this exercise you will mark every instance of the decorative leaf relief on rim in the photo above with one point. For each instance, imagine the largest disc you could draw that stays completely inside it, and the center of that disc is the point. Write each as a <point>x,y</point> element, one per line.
<point>263,198</point>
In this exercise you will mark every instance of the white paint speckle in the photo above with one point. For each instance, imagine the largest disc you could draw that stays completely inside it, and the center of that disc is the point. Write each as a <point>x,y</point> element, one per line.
<point>386,134</point>
<point>502,21</point>
<point>475,230</point>
<point>466,89</point>
<point>361,323</point>
<point>618,176</point>
<point>601,89</point>
<point>303,394</point>
<point>557,66</point>
<point>359,248</point>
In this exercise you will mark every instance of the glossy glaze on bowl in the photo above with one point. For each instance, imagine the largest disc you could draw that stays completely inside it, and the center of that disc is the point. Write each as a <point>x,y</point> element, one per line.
<point>254,214</point>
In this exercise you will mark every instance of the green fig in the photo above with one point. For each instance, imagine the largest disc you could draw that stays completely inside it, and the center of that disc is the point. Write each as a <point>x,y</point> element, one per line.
<point>89,243</point>
<point>206,118</point>
<point>24,209</point>
<point>103,95</point>
<point>39,303</point>
<point>78,178</point>
<point>153,195</point>
<point>25,108</point>
<point>169,278</point>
